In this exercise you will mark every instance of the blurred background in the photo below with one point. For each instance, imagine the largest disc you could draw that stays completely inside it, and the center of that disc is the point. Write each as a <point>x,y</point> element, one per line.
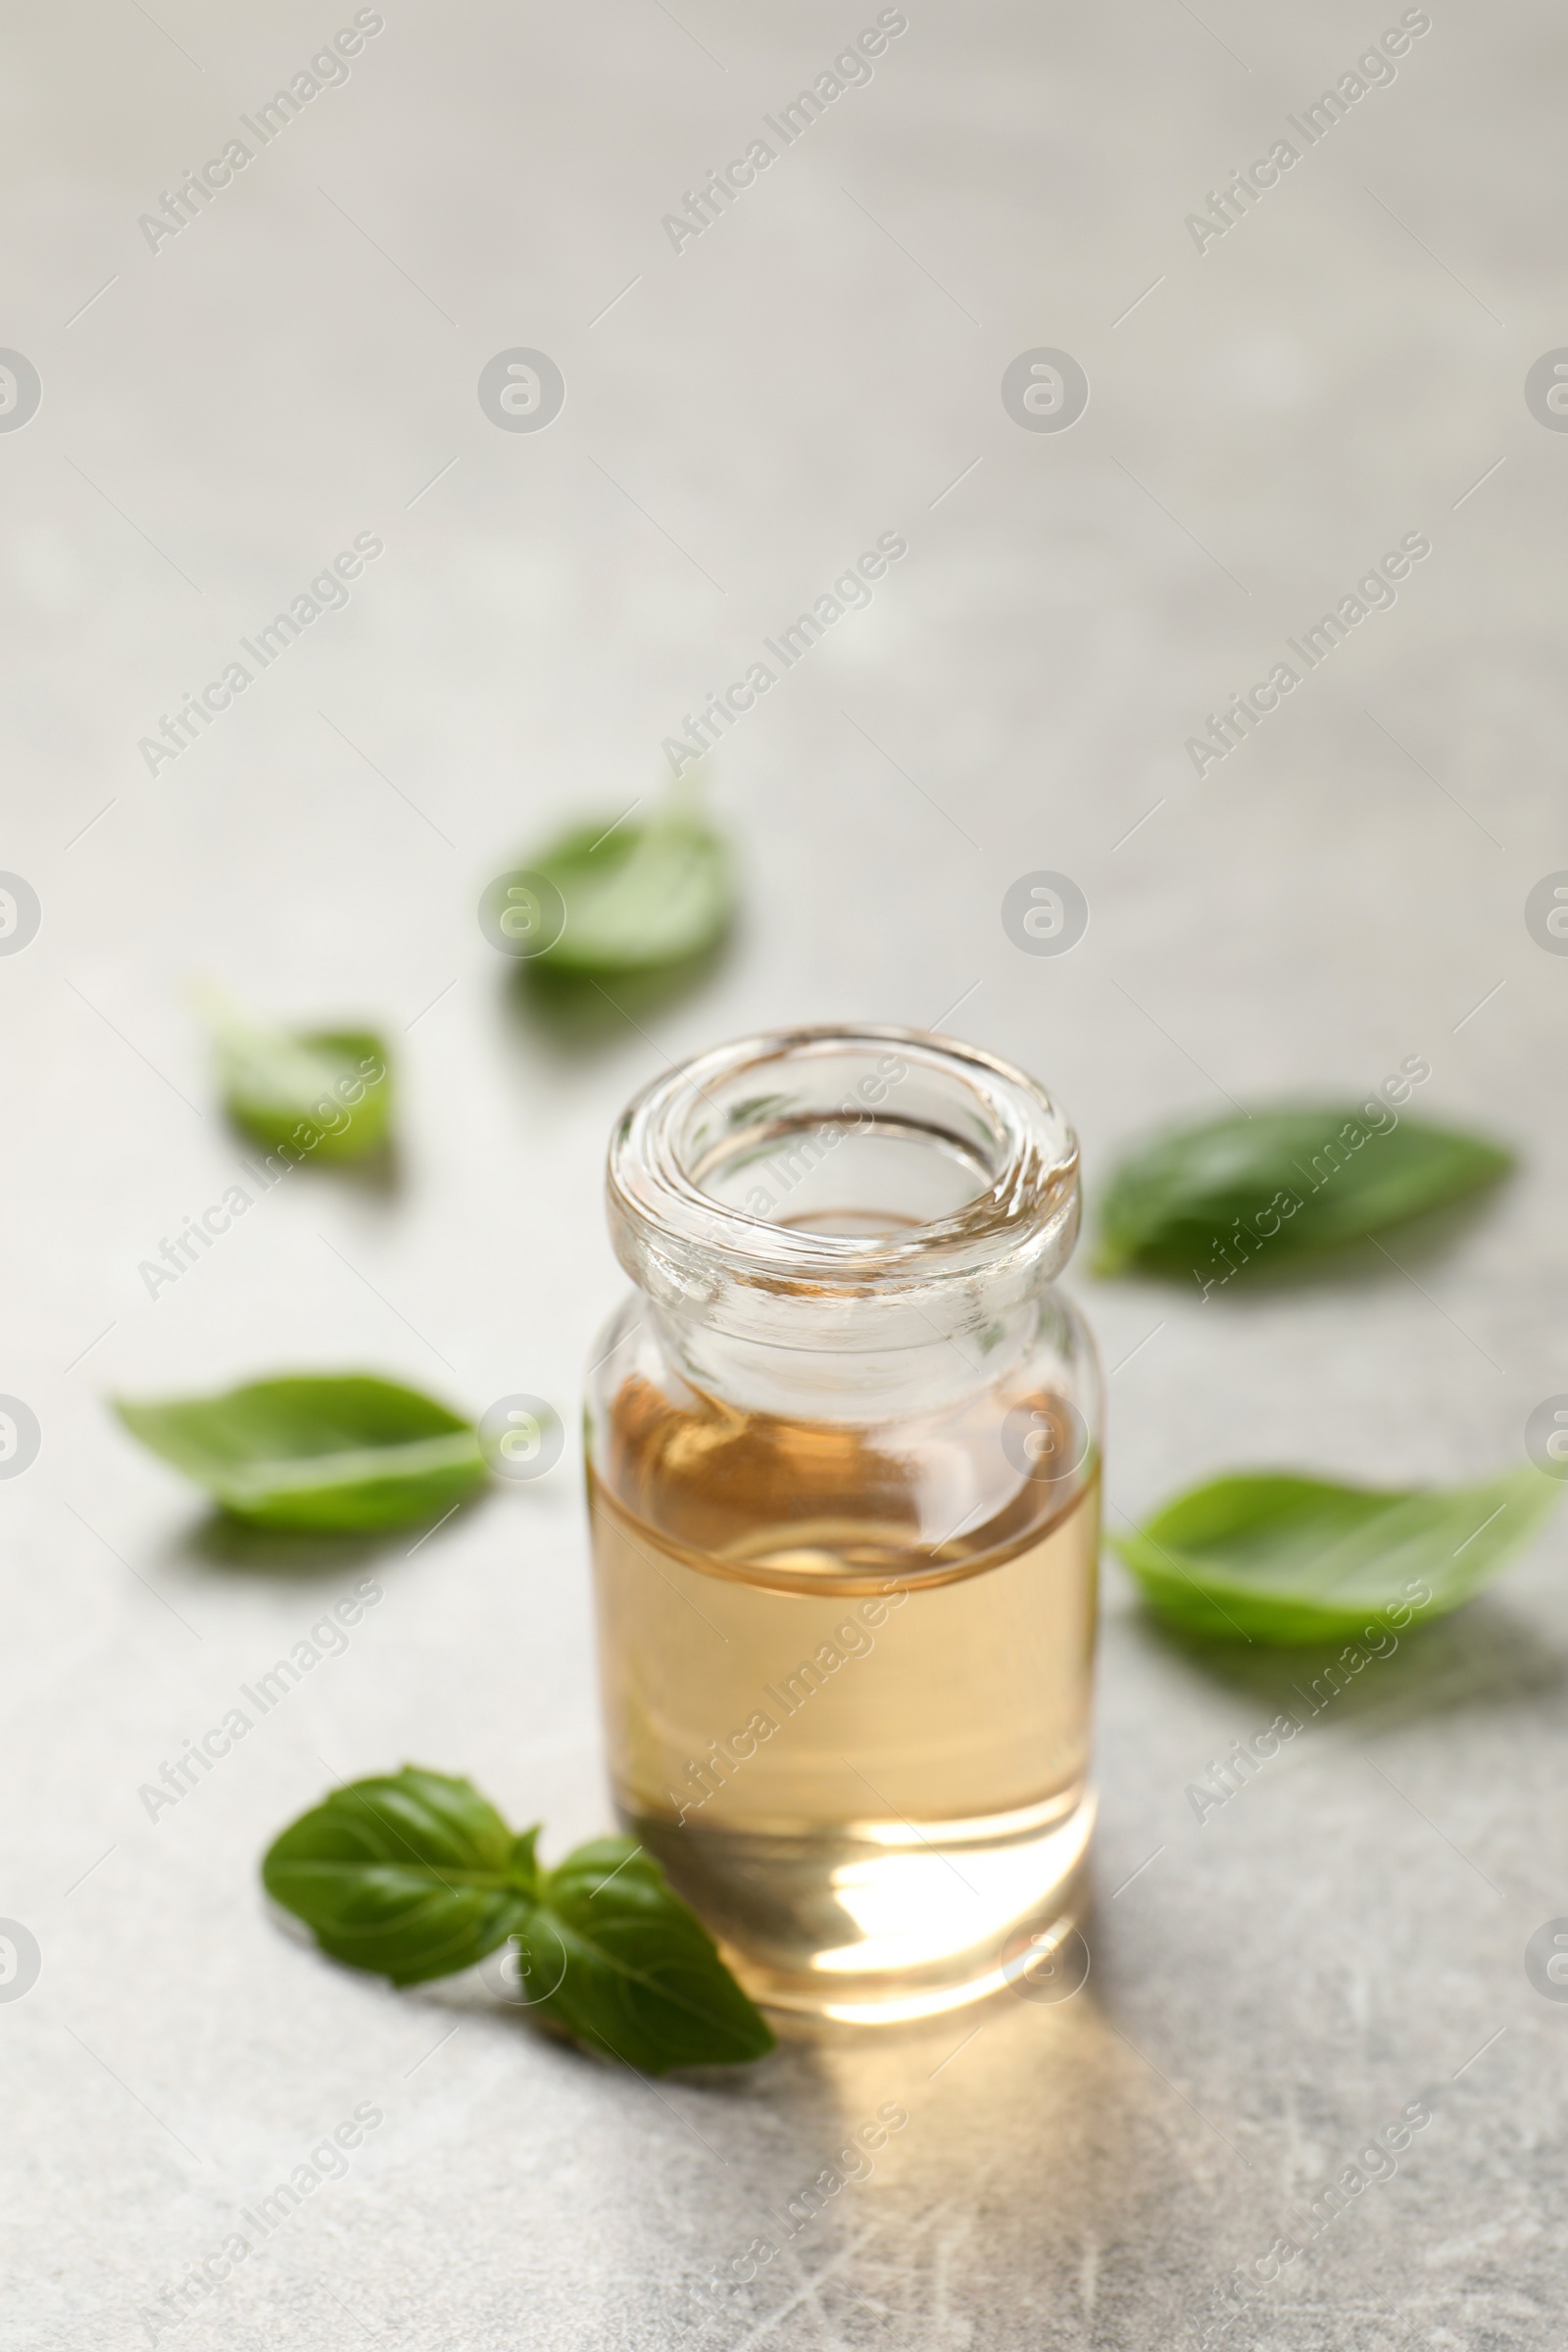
<point>201,421</point>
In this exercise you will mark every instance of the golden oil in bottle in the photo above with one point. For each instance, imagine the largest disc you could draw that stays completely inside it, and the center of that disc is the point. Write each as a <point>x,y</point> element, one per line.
<point>846,1653</point>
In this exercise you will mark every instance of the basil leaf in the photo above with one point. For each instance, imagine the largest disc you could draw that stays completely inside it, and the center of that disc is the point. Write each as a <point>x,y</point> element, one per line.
<point>320,1093</point>
<point>412,1874</point>
<point>640,1977</point>
<point>638,896</point>
<point>334,1452</point>
<point>1236,1194</point>
<point>1283,1560</point>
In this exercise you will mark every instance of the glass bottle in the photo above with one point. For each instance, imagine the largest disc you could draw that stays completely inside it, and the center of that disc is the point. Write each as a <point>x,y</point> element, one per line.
<point>844,1480</point>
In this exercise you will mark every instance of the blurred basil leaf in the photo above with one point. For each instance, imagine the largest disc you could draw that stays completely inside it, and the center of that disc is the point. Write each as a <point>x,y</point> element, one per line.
<point>1278,1558</point>
<point>322,1093</point>
<point>332,1451</point>
<point>1219,1197</point>
<point>413,1874</point>
<point>637,895</point>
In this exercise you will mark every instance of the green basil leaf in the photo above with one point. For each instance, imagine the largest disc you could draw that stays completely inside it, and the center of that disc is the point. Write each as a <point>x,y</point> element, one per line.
<point>322,1093</point>
<point>1283,1560</point>
<point>637,896</point>
<point>412,1874</point>
<point>640,1977</point>
<point>335,1452</point>
<point>1238,1195</point>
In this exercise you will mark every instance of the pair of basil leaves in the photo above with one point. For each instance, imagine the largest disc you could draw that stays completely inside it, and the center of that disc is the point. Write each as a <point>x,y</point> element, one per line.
<point>414,1875</point>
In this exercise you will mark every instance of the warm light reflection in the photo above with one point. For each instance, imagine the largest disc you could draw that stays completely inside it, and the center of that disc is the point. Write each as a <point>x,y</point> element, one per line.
<point>907,2006</point>
<point>916,1909</point>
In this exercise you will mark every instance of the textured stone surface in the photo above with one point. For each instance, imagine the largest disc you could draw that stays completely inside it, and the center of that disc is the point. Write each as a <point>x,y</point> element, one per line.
<point>294,367</point>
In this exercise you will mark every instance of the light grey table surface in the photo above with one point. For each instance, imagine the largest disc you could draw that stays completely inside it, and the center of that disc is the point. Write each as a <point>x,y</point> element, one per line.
<point>1267,415</point>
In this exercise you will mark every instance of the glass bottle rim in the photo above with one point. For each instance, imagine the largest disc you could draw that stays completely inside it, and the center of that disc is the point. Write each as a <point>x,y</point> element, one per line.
<point>692,1250</point>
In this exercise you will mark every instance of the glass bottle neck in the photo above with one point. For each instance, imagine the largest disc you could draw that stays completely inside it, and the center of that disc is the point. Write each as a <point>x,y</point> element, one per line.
<point>836,1193</point>
<point>933,1371</point>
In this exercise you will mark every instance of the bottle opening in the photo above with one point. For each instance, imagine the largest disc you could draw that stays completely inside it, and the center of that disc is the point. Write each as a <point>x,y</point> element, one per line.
<point>874,1164</point>
<point>852,1163</point>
